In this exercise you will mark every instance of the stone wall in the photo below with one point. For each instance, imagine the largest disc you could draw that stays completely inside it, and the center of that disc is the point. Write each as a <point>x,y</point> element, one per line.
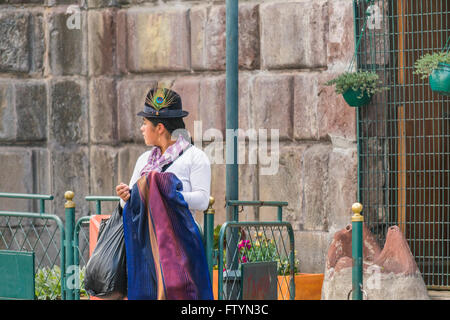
<point>71,84</point>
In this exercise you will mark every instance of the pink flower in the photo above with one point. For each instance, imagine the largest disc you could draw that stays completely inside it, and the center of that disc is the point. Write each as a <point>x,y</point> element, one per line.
<point>244,259</point>
<point>244,243</point>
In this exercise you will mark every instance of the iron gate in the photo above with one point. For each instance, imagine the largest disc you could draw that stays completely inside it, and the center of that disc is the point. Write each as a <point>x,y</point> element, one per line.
<point>404,134</point>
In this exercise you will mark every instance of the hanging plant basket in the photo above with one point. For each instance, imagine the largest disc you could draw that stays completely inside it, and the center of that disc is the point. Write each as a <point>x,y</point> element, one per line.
<point>436,66</point>
<point>354,98</point>
<point>440,79</point>
<point>357,88</point>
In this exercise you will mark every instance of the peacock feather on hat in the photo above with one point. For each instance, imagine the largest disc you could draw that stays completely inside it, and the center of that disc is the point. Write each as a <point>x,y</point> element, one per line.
<point>160,98</point>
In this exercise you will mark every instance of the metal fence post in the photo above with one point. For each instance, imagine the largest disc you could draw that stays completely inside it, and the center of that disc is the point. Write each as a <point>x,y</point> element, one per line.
<point>70,272</point>
<point>357,251</point>
<point>208,227</point>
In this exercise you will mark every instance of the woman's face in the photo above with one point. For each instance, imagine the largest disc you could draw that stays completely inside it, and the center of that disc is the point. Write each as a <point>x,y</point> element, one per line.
<point>150,133</point>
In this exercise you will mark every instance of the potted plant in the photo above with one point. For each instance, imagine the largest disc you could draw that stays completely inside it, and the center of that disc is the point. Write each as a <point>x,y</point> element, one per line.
<point>436,67</point>
<point>357,88</point>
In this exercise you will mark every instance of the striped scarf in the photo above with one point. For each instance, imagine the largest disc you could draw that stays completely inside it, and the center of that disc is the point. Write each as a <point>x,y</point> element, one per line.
<point>156,160</point>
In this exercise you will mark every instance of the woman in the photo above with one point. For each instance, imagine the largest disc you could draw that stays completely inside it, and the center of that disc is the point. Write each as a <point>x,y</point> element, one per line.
<point>165,256</point>
<point>163,128</point>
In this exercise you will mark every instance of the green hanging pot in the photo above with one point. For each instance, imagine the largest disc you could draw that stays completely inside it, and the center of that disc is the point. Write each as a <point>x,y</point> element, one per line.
<point>354,98</point>
<point>440,79</point>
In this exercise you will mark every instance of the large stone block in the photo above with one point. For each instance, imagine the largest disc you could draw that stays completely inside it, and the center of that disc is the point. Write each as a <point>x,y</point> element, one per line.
<point>130,100</point>
<point>189,90</point>
<point>104,174</point>
<point>294,34</point>
<point>70,171</point>
<point>121,40</point>
<point>315,187</point>
<point>31,110</point>
<point>342,186</point>
<point>68,114</point>
<point>248,190</point>
<point>246,117</point>
<point>16,176</point>
<point>14,41</point>
<point>127,157</point>
<point>218,189</point>
<point>306,125</point>
<point>104,170</point>
<point>37,43</point>
<point>23,109</point>
<point>208,37</point>
<point>101,42</point>
<point>158,40</point>
<point>341,42</point>
<point>311,249</point>
<point>21,41</point>
<point>67,42</point>
<point>272,104</point>
<point>212,104</point>
<point>24,170</point>
<point>103,110</point>
<point>285,185</point>
<point>42,174</point>
<point>8,123</point>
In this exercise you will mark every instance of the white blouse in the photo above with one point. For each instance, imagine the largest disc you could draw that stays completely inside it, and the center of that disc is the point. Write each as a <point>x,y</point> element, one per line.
<point>192,168</point>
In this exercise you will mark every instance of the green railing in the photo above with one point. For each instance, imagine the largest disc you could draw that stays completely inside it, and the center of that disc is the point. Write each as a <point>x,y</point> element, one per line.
<point>58,272</point>
<point>57,266</point>
<point>254,241</point>
<point>37,232</point>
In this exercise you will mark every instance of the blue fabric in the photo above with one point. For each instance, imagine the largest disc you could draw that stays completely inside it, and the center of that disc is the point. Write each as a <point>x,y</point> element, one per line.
<point>159,209</point>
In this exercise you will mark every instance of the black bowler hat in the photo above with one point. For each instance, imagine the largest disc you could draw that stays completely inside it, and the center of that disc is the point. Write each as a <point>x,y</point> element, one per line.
<point>162,103</point>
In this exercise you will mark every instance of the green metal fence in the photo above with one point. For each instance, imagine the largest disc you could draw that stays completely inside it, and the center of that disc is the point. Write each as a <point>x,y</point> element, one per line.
<point>61,248</point>
<point>254,241</point>
<point>43,234</point>
<point>404,133</point>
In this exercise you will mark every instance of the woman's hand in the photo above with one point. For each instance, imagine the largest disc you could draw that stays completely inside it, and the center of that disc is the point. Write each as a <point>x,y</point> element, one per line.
<point>123,191</point>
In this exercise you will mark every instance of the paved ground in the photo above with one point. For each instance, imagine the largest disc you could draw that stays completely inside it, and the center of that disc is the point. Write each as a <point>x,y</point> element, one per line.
<point>439,295</point>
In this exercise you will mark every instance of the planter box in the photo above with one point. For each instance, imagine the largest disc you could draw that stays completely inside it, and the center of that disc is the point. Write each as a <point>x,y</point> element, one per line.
<point>308,286</point>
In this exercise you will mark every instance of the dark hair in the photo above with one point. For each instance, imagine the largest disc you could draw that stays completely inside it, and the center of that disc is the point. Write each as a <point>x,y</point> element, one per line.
<point>172,124</point>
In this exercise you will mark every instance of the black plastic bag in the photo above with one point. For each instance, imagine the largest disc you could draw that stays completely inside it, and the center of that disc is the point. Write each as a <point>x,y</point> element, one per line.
<point>106,270</point>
